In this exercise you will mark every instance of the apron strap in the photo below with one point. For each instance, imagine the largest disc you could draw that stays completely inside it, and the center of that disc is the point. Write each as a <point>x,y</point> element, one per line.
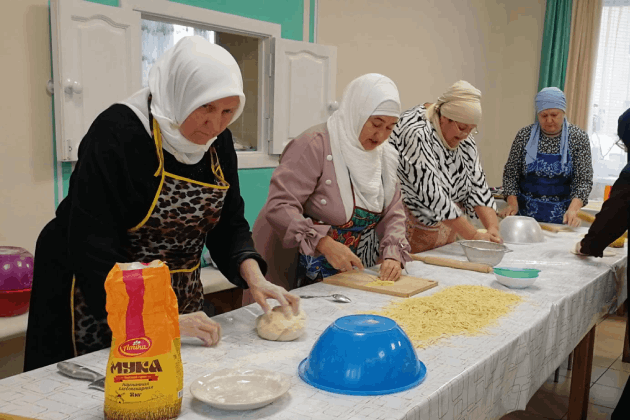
<point>157,137</point>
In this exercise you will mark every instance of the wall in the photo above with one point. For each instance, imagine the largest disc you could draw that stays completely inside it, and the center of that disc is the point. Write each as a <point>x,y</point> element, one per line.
<point>426,46</point>
<point>26,161</point>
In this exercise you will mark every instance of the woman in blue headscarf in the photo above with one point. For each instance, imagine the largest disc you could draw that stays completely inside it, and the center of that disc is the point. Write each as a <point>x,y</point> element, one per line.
<point>549,173</point>
<point>611,222</point>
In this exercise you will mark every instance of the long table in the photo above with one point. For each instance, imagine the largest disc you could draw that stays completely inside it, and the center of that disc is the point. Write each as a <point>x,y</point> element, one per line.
<point>478,377</point>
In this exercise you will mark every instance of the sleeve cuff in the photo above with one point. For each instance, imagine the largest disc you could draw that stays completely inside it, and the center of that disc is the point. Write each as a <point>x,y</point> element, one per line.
<point>237,279</point>
<point>398,252</point>
<point>306,238</point>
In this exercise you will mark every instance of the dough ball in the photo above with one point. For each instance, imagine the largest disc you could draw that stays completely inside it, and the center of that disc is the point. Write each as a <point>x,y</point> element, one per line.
<point>276,327</point>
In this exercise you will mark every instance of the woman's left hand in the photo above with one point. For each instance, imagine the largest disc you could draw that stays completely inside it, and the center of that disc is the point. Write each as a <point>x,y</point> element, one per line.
<point>390,270</point>
<point>494,232</point>
<point>570,218</point>
<point>262,289</point>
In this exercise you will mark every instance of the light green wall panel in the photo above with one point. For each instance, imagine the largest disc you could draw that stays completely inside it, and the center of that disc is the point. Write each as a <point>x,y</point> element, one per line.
<point>287,13</point>
<point>311,27</point>
<point>254,190</point>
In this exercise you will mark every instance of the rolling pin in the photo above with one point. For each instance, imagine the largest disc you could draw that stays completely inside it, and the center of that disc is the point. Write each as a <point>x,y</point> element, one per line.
<point>554,229</point>
<point>13,417</point>
<point>447,262</point>
<point>585,216</point>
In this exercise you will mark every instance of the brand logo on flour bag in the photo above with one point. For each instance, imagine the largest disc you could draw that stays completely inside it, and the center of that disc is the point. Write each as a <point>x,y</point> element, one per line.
<point>135,346</point>
<point>136,367</point>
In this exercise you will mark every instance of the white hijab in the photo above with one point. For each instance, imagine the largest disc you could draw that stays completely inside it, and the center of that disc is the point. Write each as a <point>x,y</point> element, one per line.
<point>192,73</point>
<point>372,173</point>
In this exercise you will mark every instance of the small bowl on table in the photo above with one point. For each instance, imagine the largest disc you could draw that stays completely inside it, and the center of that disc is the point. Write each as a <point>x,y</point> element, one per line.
<point>516,278</point>
<point>363,355</point>
<point>484,252</point>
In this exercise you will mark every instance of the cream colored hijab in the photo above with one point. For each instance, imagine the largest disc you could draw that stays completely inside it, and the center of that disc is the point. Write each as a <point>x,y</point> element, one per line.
<point>461,103</point>
<point>192,73</point>
<point>372,173</point>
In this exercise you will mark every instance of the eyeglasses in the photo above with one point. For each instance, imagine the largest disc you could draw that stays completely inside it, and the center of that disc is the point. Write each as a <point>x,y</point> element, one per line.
<point>465,128</point>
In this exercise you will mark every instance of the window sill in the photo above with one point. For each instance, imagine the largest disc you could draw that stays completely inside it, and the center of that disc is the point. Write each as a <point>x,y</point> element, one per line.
<point>251,160</point>
<point>213,281</point>
<point>13,326</point>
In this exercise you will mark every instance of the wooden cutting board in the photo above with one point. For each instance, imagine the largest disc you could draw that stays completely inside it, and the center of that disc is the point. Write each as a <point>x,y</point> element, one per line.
<point>407,286</point>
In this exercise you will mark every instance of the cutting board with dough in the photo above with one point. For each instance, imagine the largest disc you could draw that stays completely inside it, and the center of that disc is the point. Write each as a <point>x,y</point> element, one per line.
<point>407,286</point>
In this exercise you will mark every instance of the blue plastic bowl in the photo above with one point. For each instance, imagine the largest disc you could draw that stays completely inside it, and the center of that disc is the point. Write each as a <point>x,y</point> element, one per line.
<point>363,355</point>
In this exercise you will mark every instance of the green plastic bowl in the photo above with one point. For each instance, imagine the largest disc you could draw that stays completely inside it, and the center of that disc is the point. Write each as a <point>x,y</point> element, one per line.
<point>517,273</point>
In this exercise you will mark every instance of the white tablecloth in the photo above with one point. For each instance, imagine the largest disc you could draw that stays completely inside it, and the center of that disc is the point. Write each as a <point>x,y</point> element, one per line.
<point>480,377</point>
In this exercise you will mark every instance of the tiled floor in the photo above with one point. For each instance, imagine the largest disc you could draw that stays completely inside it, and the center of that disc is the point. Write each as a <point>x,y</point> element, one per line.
<point>608,379</point>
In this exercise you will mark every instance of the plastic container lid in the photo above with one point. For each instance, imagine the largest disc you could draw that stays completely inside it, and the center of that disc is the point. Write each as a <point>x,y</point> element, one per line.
<point>517,273</point>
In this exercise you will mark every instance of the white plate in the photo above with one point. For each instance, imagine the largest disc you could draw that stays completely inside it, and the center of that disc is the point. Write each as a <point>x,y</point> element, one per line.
<point>240,389</point>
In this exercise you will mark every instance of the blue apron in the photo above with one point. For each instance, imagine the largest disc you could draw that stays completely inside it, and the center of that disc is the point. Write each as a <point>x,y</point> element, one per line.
<point>545,191</point>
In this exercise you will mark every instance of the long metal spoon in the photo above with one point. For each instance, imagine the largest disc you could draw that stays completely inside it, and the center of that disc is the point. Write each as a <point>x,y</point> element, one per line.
<point>336,297</point>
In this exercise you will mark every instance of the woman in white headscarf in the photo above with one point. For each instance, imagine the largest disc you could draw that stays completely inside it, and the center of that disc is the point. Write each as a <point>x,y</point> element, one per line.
<point>334,201</point>
<point>156,179</point>
<point>440,173</point>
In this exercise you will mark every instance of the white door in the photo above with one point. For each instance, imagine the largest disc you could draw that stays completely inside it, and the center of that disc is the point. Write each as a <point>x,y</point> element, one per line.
<point>96,50</point>
<point>303,88</point>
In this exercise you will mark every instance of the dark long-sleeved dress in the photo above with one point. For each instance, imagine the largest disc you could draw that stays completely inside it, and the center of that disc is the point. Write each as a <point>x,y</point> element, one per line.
<point>611,222</point>
<point>112,189</point>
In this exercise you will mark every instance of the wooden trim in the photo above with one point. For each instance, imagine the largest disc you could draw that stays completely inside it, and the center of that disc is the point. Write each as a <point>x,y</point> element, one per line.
<point>581,377</point>
<point>625,357</point>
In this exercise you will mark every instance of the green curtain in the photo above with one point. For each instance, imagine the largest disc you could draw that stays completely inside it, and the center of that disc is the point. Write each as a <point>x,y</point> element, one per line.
<point>555,45</point>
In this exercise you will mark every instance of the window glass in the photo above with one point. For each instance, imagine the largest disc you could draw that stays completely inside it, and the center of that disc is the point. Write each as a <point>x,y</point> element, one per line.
<point>158,36</point>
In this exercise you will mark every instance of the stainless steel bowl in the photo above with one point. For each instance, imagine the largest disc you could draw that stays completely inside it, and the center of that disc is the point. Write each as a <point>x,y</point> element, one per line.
<point>521,230</point>
<point>484,252</point>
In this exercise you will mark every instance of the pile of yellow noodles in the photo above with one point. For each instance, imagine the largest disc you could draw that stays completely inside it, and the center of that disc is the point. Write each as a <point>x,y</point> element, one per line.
<point>454,310</point>
<point>380,283</point>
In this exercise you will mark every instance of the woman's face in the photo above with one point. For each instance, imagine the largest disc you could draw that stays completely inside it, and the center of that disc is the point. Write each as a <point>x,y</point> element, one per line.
<point>454,132</point>
<point>376,131</point>
<point>209,120</point>
<point>551,120</point>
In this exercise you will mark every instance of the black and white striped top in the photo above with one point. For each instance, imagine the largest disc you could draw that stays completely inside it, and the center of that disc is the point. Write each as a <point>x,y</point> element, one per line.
<point>579,148</point>
<point>434,179</point>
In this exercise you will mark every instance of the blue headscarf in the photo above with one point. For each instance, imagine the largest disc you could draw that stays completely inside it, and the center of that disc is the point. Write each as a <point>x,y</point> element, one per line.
<point>548,98</point>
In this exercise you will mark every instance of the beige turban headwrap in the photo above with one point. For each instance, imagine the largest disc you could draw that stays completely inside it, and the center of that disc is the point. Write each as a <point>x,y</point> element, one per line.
<point>461,103</point>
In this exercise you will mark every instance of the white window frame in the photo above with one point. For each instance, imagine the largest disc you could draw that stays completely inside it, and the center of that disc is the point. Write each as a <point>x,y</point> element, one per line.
<point>183,14</point>
<point>282,77</point>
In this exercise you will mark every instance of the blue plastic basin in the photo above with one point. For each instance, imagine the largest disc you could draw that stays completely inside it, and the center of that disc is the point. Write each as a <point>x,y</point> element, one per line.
<point>363,355</point>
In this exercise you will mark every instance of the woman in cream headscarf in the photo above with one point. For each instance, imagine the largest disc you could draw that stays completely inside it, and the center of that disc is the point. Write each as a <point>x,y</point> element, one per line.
<point>549,173</point>
<point>335,192</point>
<point>440,173</point>
<point>156,179</point>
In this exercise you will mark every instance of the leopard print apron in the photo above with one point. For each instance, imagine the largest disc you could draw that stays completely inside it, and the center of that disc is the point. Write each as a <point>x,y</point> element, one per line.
<point>174,231</point>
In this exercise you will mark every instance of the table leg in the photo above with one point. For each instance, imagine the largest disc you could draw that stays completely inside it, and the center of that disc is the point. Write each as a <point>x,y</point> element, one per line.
<point>625,357</point>
<point>581,377</point>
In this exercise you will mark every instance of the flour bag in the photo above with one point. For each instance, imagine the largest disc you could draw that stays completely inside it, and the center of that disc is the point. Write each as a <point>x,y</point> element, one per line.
<point>144,378</point>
